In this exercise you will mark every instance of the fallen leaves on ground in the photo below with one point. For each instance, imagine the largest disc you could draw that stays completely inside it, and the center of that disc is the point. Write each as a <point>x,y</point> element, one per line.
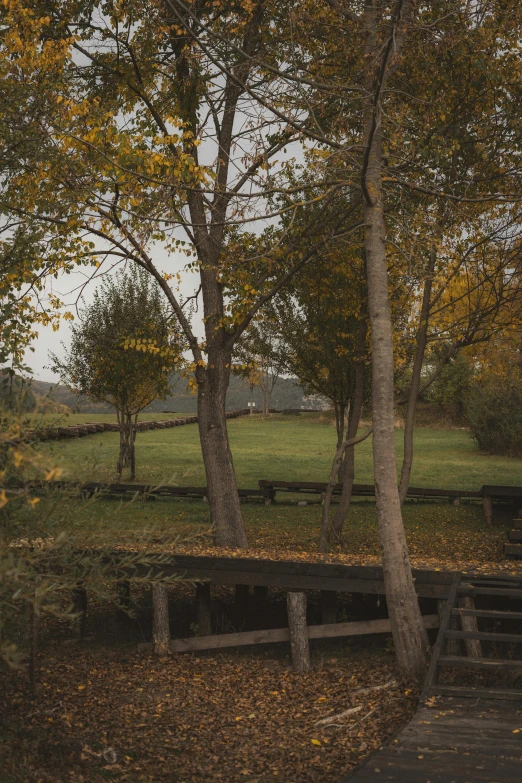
<point>237,718</point>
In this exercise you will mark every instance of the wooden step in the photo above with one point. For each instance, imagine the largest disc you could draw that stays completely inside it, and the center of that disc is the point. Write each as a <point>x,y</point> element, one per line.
<point>462,662</point>
<point>514,535</point>
<point>512,550</point>
<point>491,614</point>
<point>515,638</point>
<point>493,592</point>
<point>517,524</point>
<point>482,693</point>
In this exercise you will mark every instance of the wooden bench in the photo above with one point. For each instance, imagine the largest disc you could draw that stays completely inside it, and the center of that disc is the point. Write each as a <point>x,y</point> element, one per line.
<point>152,491</point>
<point>270,489</point>
<point>497,493</point>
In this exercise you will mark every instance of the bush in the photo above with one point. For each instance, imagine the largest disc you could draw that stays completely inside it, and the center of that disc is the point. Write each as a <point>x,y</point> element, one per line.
<point>494,414</point>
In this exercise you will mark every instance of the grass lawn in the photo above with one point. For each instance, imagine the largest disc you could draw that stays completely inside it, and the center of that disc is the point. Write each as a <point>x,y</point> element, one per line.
<point>293,448</point>
<point>290,448</point>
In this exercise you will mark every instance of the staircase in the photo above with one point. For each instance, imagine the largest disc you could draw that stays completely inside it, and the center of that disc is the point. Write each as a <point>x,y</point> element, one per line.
<point>514,546</point>
<point>478,632</point>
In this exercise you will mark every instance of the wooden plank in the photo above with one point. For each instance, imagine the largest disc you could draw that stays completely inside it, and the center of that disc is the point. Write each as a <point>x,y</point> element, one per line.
<point>240,639</point>
<point>491,614</point>
<point>478,663</point>
<point>501,491</point>
<point>486,636</point>
<point>482,693</point>
<point>290,581</point>
<point>508,592</point>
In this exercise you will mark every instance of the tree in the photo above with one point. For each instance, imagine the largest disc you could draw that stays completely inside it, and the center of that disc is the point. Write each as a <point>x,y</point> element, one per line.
<point>137,90</point>
<point>122,352</point>
<point>361,86</point>
<point>321,327</point>
<point>471,292</point>
<point>493,402</point>
<point>260,349</point>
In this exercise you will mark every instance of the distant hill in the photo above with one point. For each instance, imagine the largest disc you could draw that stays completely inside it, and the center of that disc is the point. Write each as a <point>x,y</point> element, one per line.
<point>287,394</point>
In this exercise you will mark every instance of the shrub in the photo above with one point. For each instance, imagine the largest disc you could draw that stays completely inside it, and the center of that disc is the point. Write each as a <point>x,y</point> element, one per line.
<point>494,414</point>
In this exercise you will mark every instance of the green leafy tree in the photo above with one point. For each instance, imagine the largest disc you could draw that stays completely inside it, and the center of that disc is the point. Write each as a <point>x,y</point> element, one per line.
<point>123,351</point>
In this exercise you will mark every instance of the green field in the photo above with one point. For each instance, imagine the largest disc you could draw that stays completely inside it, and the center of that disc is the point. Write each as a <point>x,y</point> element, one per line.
<point>291,448</point>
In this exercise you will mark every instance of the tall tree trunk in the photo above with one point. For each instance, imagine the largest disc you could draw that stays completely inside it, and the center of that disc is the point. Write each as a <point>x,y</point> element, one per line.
<point>409,635</point>
<point>422,335</point>
<point>348,474</point>
<point>225,511</point>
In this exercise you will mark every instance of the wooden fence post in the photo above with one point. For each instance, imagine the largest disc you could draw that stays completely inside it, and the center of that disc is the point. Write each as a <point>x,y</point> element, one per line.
<point>296,603</point>
<point>473,646</point>
<point>487,505</point>
<point>203,607</point>
<point>160,619</point>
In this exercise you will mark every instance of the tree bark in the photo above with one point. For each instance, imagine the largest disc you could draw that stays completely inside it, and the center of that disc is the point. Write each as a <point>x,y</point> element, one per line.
<point>348,475</point>
<point>225,511</point>
<point>296,603</point>
<point>422,336</point>
<point>127,456</point>
<point>409,635</point>
<point>160,619</point>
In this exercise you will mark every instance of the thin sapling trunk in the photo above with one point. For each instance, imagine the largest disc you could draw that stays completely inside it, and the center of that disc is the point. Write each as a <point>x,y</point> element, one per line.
<point>420,349</point>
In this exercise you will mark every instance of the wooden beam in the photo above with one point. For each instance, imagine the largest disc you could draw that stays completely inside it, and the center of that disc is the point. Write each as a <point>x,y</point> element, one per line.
<point>243,638</point>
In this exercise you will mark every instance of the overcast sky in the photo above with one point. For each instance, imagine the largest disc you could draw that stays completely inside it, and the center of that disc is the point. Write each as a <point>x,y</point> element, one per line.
<point>67,287</point>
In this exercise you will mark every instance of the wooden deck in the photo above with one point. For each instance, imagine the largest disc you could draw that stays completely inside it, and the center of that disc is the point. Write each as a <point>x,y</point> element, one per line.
<point>464,732</point>
<point>451,740</point>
